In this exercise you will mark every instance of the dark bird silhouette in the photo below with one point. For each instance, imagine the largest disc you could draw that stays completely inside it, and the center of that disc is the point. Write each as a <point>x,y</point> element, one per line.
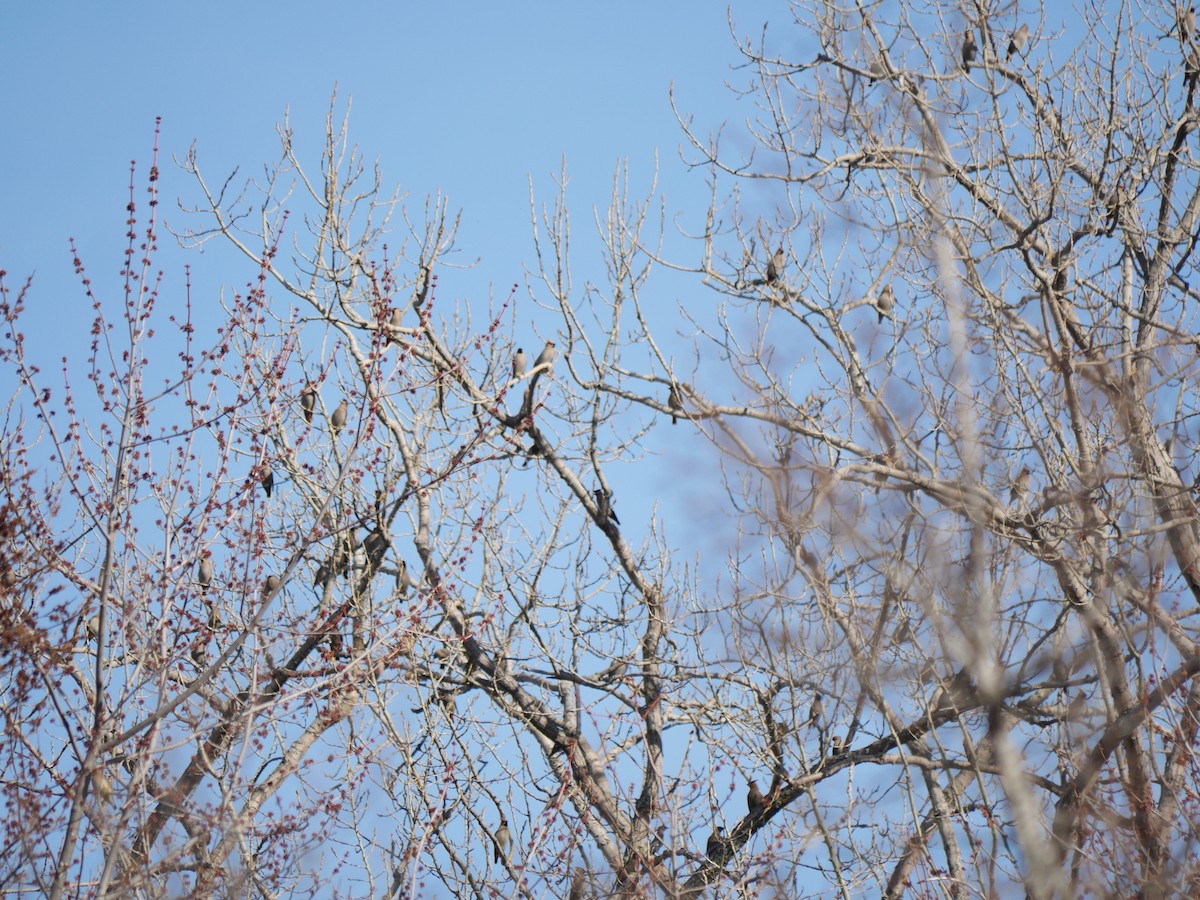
<point>518,365</point>
<point>775,267</point>
<point>970,50</point>
<point>308,402</point>
<point>503,840</point>
<point>337,421</point>
<point>674,402</point>
<point>604,510</point>
<point>376,547</point>
<point>754,799</point>
<point>716,843</point>
<point>268,482</point>
<point>1016,44</point>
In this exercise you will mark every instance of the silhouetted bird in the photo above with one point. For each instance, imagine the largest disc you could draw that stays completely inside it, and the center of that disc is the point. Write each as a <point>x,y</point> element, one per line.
<point>970,50</point>
<point>518,365</point>
<point>338,420</point>
<point>376,547</point>
<point>674,402</point>
<point>716,843</point>
<point>775,267</point>
<point>1016,44</point>
<point>308,402</point>
<point>754,799</point>
<point>268,482</point>
<point>604,508</point>
<point>324,573</point>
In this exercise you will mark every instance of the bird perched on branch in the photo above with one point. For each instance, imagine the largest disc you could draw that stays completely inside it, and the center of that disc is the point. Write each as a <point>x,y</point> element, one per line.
<point>204,574</point>
<point>268,482</point>
<point>518,364</point>
<point>674,402</point>
<point>775,267</point>
<point>816,711</point>
<point>404,581</point>
<point>1187,24</point>
<point>716,843</point>
<point>337,421</point>
<point>754,799</point>
<point>546,357</point>
<point>270,585</point>
<point>308,402</point>
<point>1020,486</point>
<point>885,302</point>
<point>970,50</point>
<point>1016,44</point>
<point>503,840</point>
<point>604,510</point>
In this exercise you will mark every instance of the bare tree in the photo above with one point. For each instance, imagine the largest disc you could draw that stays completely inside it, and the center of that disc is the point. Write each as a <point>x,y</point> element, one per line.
<point>352,597</point>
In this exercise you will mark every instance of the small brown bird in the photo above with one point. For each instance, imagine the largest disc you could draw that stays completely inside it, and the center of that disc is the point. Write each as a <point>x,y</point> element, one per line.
<point>885,302</point>
<point>775,267</point>
<point>101,785</point>
<point>376,547</point>
<point>324,573</point>
<point>503,840</point>
<point>270,585</point>
<point>604,510</point>
<point>1077,707</point>
<point>9,578</point>
<point>268,482</point>
<point>1020,486</point>
<point>394,323</point>
<point>674,402</point>
<point>204,574</point>
<point>337,421</point>
<point>546,357</point>
<point>308,402</point>
<point>970,50</point>
<point>518,364</point>
<point>1187,24</point>
<point>404,581</point>
<point>754,799</point>
<point>578,884</point>
<point>836,745</point>
<point>816,712</point>
<point>92,626</point>
<point>1016,44</point>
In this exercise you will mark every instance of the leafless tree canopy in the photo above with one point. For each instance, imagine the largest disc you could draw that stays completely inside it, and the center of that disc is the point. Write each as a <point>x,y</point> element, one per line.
<point>339,596</point>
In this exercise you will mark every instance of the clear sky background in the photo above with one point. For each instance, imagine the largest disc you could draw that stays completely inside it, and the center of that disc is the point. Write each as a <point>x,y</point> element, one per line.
<point>469,99</point>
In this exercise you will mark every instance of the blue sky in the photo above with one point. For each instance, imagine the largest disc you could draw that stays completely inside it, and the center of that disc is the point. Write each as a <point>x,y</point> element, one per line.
<point>468,99</point>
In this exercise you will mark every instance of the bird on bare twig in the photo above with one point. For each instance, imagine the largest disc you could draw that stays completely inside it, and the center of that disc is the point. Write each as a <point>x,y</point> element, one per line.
<point>308,402</point>
<point>518,364</point>
<point>337,421</point>
<point>1016,44</point>
<point>775,267</point>
<point>970,50</point>
<point>674,402</point>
